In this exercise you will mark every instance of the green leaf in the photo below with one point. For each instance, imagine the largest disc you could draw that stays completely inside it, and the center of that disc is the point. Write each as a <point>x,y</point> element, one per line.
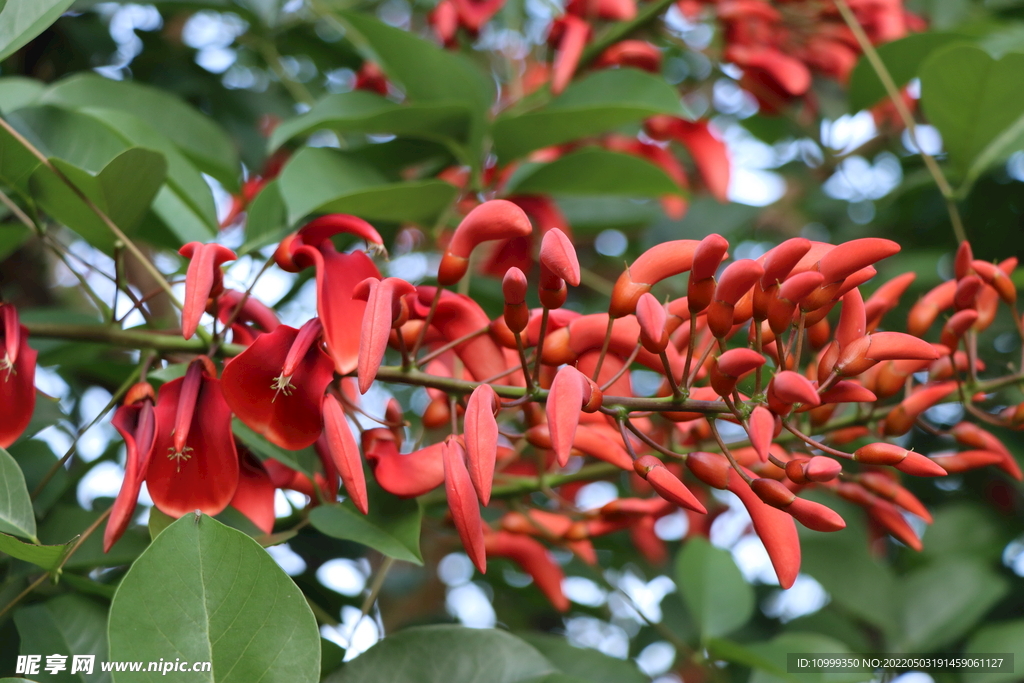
<point>777,650</point>
<point>46,556</point>
<point>592,105</point>
<point>972,99</point>
<point>424,71</point>
<point>320,180</point>
<point>12,236</point>
<point>81,140</point>
<point>584,663</point>
<point>205,592</point>
<point>23,20</point>
<point>718,596</point>
<point>1001,637</point>
<point>65,522</point>
<point>195,134</point>
<point>16,515</point>
<point>183,178</point>
<point>17,92</point>
<point>67,625</point>
<point>392,527</point>
<point>304,461</point>
<point>446,654</point>
<point>364,112</point>
<point>123,190</point>
<point>158,521</point>
<point>966,529</point>
<point>596,172</point>
<point>902,58</point>
<point>729,651</point>
<point>943,601</point>
<point>266,219</point>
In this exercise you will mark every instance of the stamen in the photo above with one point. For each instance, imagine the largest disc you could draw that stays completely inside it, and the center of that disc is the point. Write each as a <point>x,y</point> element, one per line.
<point>282,384</point>
<point>176,455</point>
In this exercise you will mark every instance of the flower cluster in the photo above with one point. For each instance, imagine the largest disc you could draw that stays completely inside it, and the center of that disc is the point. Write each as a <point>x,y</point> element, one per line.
<point>784,347</point>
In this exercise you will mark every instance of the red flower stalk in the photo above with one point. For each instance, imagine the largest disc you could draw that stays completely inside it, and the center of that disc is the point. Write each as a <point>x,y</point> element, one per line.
<point>204,281</point>
<point>194,464</point>
<point>276,385</point>
<point>462,502</point>
<point>337,275</point>
<point>341,446</point>
<point>135,421</point>
<point>17,377</point>
<point>497,219</point>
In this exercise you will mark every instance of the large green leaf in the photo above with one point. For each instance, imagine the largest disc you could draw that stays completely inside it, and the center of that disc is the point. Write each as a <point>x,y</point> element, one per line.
<point>973,99</point>
<point>23,20</point>
<point>195,134</point>
<point>123,190</point>
<point>902,58</point>
<point>943,600</point>
<point>777,650</point>
<point>593,172</point>
<point>365,112</point>
<point>17,92</point>
<point>205,592</point>
<point>595,104</point>
<point>16,516</point>
<point>67,625</point>
<point>266,219</point>
<point>183,178</point>
<point>320,180</point>
<point>1000,637</point>
<point>426,72</point>
<point>717,595</point>
<point>584,663</point>
<point>392,526</point>
<point>446,654</point>
<point>303,461</point>
<point>45,556</point>
<point>16,162</point>
<point>729,651</point>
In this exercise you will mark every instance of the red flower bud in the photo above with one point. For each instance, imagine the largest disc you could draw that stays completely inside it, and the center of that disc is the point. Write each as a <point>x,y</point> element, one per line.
<point>711,468</point>
<point>493,220</point>
<point>666,484</point>
<point>463,503</point>
<point>203,281</point>
<point>344,453</point>
<point>482,439</point>
<point>652,317</point>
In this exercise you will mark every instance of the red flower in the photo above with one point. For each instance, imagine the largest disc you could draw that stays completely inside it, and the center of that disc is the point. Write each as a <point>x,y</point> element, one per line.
<point>17,377</point>
<point>194,464</point>
<point>135,421</point>
<point>337,274</point>
<point>276,384</point>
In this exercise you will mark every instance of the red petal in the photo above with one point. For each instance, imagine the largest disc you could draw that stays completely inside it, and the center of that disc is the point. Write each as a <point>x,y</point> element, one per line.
<point>775,528</point>
<point>344,452</point>
<point>668,486</point>
<point>762,431</point>
<point>202,280</point>
<point>405,475</point>
<point>207,479</point>
<point>130,421</point>
<point>463,503</point>
<point>534,560</point>
<point>287,418</point>
<point>710,155</point>
<point>17,392</point>
<point>254,497</point>
<point>481,439</point>
<point>563,410</point>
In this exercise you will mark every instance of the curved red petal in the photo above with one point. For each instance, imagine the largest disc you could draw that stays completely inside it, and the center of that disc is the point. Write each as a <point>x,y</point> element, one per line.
<point>344,452</point>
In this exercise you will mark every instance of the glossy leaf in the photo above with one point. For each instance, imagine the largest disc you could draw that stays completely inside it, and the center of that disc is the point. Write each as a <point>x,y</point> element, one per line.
<point>715,591</point>
<point>998,637</point>
<point>304,461</point>
<point>45,556</point>
<point>365,112</point>
<point>777,649</point>
<point>266,219</point>
<point>903,59</point>
<point>446,654</point>
<point>598,103</point>
<point>319,180</point>
<point>65,522</point>
<point>196,135</point>
<point>584,663</point>
<point>69,625</point>
<point>23,20</point>
<point>210,593</point>
<point>17,92</point>
<point>123,190</point>
<point>972,99</point>
<point>16,516</point>
<point>593,172</point>
<point>392,527</point>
